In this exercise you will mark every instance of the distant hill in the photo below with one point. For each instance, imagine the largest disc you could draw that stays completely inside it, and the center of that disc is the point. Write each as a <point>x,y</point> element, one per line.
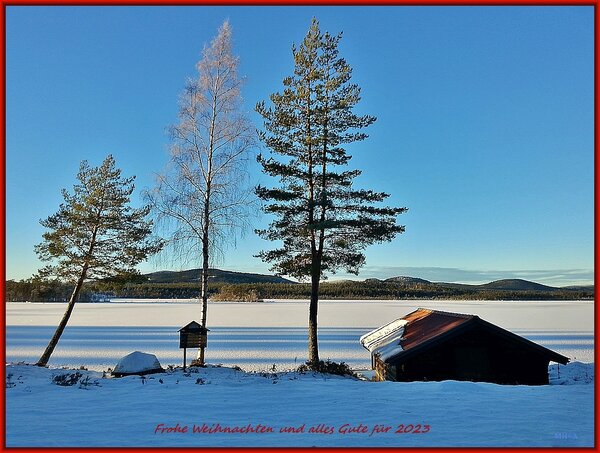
<point>407,280</point>
<point>580,287</point>
<point>215,275</point>
<point>516,284</point>
<point>335,282</point>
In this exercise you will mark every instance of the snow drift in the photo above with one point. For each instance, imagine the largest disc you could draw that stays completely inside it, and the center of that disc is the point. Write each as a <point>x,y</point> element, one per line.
<point>137,363</point>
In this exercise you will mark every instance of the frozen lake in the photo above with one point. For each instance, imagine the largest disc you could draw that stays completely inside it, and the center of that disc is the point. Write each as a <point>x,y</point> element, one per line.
<point>255,336</point>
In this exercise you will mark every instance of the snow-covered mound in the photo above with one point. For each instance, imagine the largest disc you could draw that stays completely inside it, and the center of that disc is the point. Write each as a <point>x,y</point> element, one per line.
<point>571,373</point>
<point>137,363</point>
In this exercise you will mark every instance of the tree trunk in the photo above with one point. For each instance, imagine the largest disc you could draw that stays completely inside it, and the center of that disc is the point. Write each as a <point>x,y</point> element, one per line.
<point>63,323</point>
<point>313,344</point>
<point>204,292</point>
<point>206,220</point>
<point>205,251</point>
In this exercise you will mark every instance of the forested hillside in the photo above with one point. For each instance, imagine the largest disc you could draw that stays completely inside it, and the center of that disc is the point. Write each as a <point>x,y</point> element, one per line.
<point>393,288</point>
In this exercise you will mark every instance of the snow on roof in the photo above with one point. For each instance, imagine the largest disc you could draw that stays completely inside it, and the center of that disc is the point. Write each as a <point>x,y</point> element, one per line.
<point>391,346</point>
<point>386,341</point>
<point>383,335</point>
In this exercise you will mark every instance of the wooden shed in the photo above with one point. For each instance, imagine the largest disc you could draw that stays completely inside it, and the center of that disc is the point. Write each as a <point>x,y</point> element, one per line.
<point>430,345</point>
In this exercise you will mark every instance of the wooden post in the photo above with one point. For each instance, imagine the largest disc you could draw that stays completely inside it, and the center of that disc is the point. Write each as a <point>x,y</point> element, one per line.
<point>184,350</point>
<point>201,358</point>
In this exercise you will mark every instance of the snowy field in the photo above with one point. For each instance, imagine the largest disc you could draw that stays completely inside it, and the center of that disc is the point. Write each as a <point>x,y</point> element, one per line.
<point>133,411</point>
<point>255,336</point>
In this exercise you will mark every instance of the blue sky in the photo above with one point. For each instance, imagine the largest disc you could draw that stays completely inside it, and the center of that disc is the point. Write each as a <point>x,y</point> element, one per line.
<point>485,122</point>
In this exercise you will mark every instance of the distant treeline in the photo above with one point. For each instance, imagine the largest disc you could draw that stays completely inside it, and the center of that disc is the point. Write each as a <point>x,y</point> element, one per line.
<point>53,291</point>
<point>393,290</point>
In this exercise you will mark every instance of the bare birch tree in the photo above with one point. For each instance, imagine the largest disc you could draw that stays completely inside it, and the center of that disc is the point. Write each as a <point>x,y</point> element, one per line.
<point>200,197</point>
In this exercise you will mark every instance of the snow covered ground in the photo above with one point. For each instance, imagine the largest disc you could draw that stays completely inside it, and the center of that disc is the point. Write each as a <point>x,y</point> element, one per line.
<point>133,412</point>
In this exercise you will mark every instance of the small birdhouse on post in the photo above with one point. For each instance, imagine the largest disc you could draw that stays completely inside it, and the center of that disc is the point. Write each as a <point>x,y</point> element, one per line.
<point>192,335</point>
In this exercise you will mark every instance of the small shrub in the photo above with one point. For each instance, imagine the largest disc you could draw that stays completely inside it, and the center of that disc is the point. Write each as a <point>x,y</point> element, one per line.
<point>236,293</point>
<point>328,367</point>
<point>86,383</point>
<point>9,383</point>
<point>200,381</point>
<point>67,379</point>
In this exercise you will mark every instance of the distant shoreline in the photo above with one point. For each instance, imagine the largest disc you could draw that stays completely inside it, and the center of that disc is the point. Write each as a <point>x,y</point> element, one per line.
<point>284,300</point>
<point>231,286</point>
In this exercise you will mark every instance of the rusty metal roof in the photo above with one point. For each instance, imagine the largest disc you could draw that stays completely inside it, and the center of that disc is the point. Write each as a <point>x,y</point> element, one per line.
<point>425,327</point>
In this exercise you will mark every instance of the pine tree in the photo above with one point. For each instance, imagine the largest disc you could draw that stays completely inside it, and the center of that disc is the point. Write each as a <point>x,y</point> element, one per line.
<point>324,223</point>
<point>201,197</point>
<point>95,234</point>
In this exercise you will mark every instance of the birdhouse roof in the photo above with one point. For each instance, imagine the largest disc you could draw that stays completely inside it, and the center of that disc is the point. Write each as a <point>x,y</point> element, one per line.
<point>194,326</point>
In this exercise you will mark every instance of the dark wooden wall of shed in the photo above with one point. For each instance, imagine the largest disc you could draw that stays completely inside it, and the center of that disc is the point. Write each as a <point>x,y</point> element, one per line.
<point>474,355</point>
